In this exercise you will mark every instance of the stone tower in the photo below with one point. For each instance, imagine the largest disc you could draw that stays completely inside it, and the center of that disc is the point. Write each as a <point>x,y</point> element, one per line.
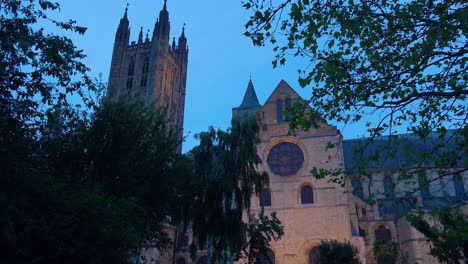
<point>151,69</point>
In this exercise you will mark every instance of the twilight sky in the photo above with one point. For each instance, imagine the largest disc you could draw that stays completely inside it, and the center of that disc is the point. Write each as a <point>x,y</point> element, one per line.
<point>221,59</point>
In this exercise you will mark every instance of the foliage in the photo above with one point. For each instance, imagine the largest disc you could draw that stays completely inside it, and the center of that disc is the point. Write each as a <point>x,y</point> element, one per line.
<point>386,251</point>
<point>52,221</point>
<point>391,65</point>
<point>260,231</point>
<point>131,152</point>
<point>448,235</point>
<point>226,178</point>
<point>74,187</point>
<point>39,69</point>
<point>335,252</point>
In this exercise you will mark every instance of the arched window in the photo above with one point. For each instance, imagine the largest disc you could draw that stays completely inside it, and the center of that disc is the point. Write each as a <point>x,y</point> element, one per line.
<point>268,258</point>
<point>131,70</point>
<point>423,186</point>
<point>202,260</point>
<point>287,104</point>
<point>144,72</point>
<point>314,255</point>
<point>183,241</point>
<point>307,195</point>
<point>313,123</point>
<point>181,260</point>
<point>383,233</point>
<point>357,188</point>
<point>362,233</point>
<point>279,111</point>
<point>459,186</point>
<point>389,187</point>
<point>265,198</point>
<point>363,212</point>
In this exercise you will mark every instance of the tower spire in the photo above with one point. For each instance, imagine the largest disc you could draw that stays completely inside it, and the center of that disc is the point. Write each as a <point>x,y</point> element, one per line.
<point>162,27</point>
<point>140,36</point>
<point>125,14</point>
<point>250,99</point>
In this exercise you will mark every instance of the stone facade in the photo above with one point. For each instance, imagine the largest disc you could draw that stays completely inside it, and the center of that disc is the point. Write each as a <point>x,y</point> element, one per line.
<point>152,70</point>
<point>335,212</point>
<point>305,225</point>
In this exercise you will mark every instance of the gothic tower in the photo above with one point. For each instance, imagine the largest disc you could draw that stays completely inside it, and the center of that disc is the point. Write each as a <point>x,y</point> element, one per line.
<point>151,69</point>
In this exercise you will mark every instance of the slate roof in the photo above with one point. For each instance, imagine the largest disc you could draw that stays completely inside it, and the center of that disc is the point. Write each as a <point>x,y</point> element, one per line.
<point>402,151</point>
<point>396,208</point>
<point>399,207</point>
<point>250,98</point>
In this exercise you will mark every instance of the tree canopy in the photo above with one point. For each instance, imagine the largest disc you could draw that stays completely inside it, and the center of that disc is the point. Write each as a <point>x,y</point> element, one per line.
<point>336,252</point>
<point>449,234</point>
<point>225,181</point>
<point>392,66</point>
<point>79,183</point>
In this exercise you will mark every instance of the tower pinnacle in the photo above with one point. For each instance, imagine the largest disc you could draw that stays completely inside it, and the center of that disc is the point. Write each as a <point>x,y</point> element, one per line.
<point>125,14</point>
<point>140,36</point>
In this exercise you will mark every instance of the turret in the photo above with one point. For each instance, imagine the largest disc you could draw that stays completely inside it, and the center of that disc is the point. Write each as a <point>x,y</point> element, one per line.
<point>122,37</point>
<point>182,48</point>
<point>249,106</point>
<point>147,37</point>
<point>162,26</point>
<point>173,45</point>
<point>123,31</point>
<point>159,48</point>
<point>140,36</point>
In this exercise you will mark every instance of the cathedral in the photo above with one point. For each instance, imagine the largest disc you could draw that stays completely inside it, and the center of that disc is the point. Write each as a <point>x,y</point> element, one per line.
<point>311,210</point>
<point>151,69</point>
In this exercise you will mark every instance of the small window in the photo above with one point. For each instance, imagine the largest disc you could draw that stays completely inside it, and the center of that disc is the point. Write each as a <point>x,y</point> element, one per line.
<point>459,186</point>
<point>131,70</point>
<point>362,233</point>
<point>383,233</point>
<point>389,187</point>
<point>423,186</point>
<point>183,241</point>
<point>268,258</point>
<point>144,73</point>
<point>314,255</point>
<point>357,188</point>
<point>279,111</point>
<point>313,123</point>
<point>265,198</point>
<point>363,212</point>
<point>202,260</point>
<point>287,104</point>
<point>265,127</point>
<point>307,195</point>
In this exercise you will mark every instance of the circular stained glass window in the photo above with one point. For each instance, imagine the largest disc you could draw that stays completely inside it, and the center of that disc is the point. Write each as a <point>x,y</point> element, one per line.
<point>285,159</point>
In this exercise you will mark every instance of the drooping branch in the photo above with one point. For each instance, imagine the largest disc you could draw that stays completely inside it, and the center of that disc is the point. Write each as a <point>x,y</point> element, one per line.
<point>415,96</point>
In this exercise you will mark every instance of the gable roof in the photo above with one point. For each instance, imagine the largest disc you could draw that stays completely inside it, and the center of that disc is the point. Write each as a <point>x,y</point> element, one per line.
<point>283,86</point>
<point>400,151</point>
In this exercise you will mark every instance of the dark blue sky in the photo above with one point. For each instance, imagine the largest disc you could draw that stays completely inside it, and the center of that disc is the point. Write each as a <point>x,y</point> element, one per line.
<point>221,59</point>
